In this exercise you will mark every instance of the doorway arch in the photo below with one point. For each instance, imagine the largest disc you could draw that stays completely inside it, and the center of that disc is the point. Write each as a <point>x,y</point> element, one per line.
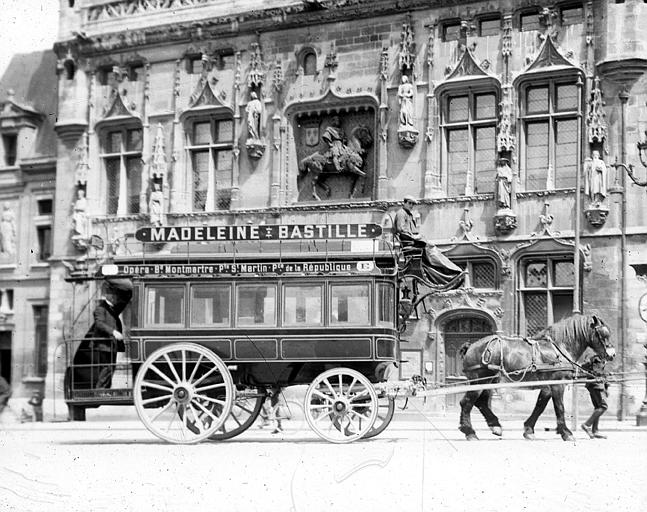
<point>457,329</point>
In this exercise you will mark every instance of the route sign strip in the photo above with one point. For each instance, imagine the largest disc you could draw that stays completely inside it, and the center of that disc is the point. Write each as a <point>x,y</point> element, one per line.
<point>258,232</point>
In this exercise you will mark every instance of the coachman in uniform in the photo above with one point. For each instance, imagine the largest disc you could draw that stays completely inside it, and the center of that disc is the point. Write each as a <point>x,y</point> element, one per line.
<point>437,267</point>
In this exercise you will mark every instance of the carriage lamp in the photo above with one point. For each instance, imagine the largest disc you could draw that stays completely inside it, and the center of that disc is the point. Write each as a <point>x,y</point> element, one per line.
<point>629,168</point>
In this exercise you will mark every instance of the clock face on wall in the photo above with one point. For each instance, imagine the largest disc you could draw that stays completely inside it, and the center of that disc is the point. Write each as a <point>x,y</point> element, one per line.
<point>642,307</point>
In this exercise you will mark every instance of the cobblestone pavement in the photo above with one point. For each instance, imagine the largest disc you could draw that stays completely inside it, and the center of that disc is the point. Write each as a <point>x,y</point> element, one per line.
<point>417,464</point>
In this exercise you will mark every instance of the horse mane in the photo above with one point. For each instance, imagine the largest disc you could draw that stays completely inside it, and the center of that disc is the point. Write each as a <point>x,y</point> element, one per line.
<point>570,332</point>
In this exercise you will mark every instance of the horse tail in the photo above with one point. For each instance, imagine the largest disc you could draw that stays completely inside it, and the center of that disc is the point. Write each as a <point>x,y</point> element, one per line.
<point>464,348</point>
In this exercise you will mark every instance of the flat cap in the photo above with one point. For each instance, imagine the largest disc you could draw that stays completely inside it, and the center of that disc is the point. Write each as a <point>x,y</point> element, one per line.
<point>410,198</point>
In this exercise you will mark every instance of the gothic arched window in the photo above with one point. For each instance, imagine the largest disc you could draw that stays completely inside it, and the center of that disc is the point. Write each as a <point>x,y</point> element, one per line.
<point>309,62</point>
<point>121,153</point>
<point>468,122</point>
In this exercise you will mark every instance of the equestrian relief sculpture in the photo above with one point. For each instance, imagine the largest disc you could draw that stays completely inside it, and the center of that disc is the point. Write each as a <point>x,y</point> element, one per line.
<point>343,156</point>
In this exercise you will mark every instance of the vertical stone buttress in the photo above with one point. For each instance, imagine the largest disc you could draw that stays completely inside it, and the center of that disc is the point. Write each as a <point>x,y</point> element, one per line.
<point>235,178</point>
<point>383,126</point>
<point>177,195</point>
<point>146,141</point>
<point>432,170</point>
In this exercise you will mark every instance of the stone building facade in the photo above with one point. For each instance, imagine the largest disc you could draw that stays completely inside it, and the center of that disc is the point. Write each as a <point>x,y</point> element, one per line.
<point>492,113</point>
<point>27,193</point>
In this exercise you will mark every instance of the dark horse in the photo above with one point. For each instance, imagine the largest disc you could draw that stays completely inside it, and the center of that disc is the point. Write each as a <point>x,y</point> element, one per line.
<point>548,356</point>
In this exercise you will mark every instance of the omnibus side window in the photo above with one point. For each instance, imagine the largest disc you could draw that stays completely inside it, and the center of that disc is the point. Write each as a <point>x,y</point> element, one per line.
<point>302,305</point>
<point>350,304</point>
<point>165,305</point>
<point>385,305</point>
<point>210,305</point>
<point>256,305</point>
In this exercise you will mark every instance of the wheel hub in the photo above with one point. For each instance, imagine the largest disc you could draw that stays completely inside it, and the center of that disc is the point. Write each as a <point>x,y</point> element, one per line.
<point>182,395</point>
<point>340,407</point>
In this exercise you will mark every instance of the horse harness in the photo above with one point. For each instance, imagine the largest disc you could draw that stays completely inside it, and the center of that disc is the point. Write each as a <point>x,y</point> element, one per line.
<point>536,363</point>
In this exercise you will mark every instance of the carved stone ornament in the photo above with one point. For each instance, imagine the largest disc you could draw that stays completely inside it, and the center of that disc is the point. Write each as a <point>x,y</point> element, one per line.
<point>407,47</point>
<point>506,138</point>
<point>384,64</point>
<point>408,137</point>
<point>596,215</point>
<point>277,76</point>
<point>159,162</point>
<point>254,112</point>
<point>595,118</point>
<point>506,38</point>
<point>256,76</point>
<point>505,221</point>
<point>255,148</point>
<point>407,132</point>
<point>82,167</point>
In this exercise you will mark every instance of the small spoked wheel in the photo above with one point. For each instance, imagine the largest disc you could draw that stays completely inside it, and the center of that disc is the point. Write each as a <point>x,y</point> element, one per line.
<point>341,405</point>
<point>183,393</point>
<point>386,409</point>
<point>245,411</point>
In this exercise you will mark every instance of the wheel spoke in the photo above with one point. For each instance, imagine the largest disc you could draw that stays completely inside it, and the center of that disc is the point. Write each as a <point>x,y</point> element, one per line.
<point>319,406</point>
<point>183,365</point>
<point>334,393</point>
<point>341,386</point>
<point>198,423</point>
<point>161,411</point>
<point>205,410</point>
<point>209,399</point>
<point>156,386</point>
<point>236,420</point>
<point>205,376</point>
<point>351,386</point>
<point>161,374</point>
<point>156,399</point>
<point>195,368</point>
<point>361,394</point>
<point>173,416</point>
<point>322,395</point>
<point>170,364</point>
<point>248,411</point>
<point>324,415</point>
<point>211,386</point>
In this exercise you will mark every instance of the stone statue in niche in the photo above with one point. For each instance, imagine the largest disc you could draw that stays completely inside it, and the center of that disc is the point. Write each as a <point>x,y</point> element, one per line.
<point>80,223</point>
<point>407,132</point>
<point>156,205</point>
<point>8,232</point>
<point>343,155</point>
<point>596,178</point>
<point>503,184</point>
<point>595,187</point>
<point>254,111</point>
<point>505,219</point>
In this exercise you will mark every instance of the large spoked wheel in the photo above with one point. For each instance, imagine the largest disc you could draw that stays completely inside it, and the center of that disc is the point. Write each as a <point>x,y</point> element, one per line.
<point>247,407</point>
<point>183,393</point>
<point>341,405</point>
<point>386,409</point>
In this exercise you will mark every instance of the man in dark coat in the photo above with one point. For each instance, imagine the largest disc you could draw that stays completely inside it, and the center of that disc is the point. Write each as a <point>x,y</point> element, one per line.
<point>5,393</point>
<point>437,267</point>
<point>598,392</point>
<point>95,358</point>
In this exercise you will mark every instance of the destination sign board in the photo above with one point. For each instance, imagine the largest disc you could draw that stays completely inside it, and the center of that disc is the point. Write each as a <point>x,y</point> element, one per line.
<point>258,232</point>
<point>228,268</point>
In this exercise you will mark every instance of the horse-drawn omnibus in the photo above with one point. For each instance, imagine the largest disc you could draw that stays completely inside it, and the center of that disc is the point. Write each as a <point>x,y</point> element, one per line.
<point>212,326</point>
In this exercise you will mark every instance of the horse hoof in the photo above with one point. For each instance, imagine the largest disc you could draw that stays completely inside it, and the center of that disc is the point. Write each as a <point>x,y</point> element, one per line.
<point>568,437</point>
<point>497,430</point>
<point>471,437</point>
<point>529,434</point>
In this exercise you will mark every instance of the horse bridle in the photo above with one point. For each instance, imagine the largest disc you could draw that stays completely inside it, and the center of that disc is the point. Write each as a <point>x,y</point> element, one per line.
<point>603,340</point>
